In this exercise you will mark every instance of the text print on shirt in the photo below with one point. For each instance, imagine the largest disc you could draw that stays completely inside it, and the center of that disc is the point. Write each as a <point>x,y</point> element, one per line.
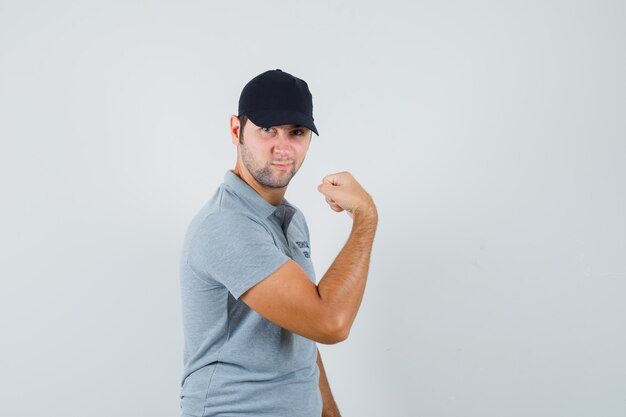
<point>304,245</point>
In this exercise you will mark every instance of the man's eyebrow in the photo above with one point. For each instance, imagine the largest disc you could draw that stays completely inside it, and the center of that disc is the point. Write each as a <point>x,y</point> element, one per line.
<point>291,127</point>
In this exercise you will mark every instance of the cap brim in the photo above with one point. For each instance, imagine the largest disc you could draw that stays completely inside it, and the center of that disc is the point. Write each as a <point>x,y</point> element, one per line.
<point>268,118</point>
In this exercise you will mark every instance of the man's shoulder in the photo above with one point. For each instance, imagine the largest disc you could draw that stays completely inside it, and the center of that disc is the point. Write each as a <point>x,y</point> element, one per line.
<point>226,205</point>
<point>229,220</point>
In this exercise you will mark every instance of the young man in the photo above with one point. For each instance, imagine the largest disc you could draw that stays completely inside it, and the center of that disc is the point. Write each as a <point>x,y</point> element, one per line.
<point>252,310</point>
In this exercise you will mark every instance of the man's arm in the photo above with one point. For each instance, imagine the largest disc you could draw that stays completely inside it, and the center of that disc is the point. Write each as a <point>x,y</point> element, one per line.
<point>323,313</point>
<point>329,407</point>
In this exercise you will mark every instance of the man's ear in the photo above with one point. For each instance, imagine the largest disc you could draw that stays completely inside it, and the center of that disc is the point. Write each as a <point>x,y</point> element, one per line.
<point>235,125</point>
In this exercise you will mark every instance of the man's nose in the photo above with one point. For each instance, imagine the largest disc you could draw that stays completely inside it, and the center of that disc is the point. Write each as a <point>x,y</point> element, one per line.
<point>282,141</point>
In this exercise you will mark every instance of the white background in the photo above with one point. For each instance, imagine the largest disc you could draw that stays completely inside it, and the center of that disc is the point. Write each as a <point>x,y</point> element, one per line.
<point>492,135</point>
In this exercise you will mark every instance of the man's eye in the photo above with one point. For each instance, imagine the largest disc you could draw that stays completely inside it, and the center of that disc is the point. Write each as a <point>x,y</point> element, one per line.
<point>298,132</point>
<point>266,129</point>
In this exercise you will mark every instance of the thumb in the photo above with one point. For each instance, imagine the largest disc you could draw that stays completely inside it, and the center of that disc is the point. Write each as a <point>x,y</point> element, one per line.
<point>333,179</point>
<point>327,189</point>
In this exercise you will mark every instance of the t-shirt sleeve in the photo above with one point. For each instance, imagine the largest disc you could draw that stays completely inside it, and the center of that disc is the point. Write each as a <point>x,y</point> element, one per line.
<point>234,250</point>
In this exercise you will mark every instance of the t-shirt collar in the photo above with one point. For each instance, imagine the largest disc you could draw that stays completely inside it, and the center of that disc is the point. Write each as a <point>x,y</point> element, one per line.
<point>250,196</point>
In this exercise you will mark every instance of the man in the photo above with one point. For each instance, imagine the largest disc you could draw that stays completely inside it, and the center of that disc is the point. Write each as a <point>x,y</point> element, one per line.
<point>252,311</point>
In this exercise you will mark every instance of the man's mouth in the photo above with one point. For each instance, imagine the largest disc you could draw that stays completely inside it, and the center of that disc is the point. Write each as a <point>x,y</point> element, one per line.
<point>283,165</point>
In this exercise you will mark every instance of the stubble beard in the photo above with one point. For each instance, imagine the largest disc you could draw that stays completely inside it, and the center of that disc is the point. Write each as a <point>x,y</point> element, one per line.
<point>265,175</point>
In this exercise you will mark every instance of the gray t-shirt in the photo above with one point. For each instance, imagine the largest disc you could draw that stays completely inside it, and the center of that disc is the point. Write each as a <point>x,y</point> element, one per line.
<point>236,363</point>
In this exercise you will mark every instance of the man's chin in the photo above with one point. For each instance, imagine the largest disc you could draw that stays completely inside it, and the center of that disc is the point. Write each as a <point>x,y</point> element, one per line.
<point>274,181</point>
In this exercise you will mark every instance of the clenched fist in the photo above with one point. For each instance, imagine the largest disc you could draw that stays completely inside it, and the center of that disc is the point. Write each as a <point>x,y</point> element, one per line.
<point>343,192</point>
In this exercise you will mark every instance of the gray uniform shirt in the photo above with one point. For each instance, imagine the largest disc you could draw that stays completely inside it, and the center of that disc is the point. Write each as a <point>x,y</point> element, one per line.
<point>236,363</point>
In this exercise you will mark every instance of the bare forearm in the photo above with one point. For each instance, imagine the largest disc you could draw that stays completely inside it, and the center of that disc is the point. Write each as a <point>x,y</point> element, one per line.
<point>341,288</point>
<point>329,407</point>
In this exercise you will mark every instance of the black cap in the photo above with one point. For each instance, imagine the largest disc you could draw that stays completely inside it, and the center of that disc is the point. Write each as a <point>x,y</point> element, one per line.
<point>277,98</point>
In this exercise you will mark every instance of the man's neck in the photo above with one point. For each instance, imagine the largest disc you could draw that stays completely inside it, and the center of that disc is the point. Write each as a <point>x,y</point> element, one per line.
<point>274,196</point>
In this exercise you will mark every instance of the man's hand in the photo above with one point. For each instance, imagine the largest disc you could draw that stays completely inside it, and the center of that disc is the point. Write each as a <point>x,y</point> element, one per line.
<point>343,192</point>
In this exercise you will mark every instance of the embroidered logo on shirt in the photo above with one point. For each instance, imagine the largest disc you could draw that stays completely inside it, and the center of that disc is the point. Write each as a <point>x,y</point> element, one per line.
<point>304,245</point>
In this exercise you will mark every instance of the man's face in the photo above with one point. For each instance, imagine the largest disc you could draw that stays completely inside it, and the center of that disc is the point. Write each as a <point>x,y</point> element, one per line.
<point>273,155</point>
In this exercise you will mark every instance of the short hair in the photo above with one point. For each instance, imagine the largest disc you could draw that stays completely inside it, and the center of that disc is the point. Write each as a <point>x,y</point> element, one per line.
<point>242,123</point>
